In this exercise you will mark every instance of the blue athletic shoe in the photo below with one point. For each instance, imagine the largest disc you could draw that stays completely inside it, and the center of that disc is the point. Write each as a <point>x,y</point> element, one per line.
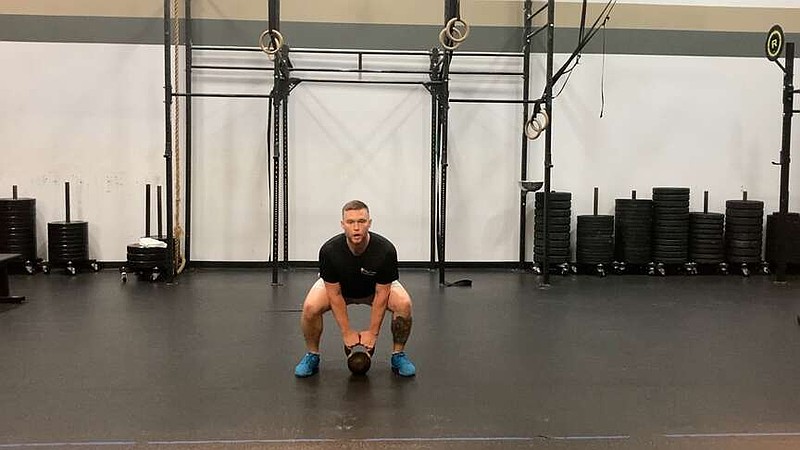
<point>307,366</point>
<point>403,366</point>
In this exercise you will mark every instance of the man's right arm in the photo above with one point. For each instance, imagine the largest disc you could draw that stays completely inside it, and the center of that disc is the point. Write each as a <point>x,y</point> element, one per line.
<point>339,309</point>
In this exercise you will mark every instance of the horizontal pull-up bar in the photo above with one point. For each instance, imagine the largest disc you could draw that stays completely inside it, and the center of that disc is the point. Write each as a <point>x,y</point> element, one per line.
<point>420,83</point>
<point>325,51</point>
<point>489,100</point>
<point>359,52</point>
<point>375,71</point>
<point>426,72</point>
<point>183,94</point>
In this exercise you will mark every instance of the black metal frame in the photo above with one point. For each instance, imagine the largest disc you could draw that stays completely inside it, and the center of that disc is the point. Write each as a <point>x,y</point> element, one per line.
<point>187,220</point>
<point>547,100</point>
<point>283,83</point>
<point>526,90</point>
<point>168,94</point>
<point>785,157</point>
<point>282,86</point>
<point>548,142</point>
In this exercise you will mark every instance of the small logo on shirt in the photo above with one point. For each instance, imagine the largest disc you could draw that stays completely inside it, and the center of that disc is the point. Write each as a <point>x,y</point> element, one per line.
<point>368,273</point>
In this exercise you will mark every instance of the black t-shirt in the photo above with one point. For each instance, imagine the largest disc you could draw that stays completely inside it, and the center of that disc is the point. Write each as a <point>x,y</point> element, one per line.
<point>358,274</point>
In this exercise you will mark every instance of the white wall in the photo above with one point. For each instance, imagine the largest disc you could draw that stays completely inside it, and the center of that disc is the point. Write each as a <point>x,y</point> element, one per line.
<point>705,123</point>
<point>357,141</point>
<point>88,114</point>
<point>93,115</point>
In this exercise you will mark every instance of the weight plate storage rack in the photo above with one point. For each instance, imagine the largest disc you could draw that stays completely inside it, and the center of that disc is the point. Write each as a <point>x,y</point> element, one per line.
<point>68,243</point>
<point>18,231</point>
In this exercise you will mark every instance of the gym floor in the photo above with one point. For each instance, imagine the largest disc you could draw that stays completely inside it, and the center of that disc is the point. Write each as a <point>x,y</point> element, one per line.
<point>623,362</point>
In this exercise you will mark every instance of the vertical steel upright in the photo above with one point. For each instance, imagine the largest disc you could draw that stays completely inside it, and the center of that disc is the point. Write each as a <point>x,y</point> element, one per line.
<point>285,139</point>
<point>548,142</point>
<point>444,106</point>
<point>526,73</point>
<point>788,111</point>
<point>434,163</point>
<point>451,10</point>
<point>274,24</point>
<point>187,220</point>
<point>786,144</point>
<point>281,103</point>
<point>170,270</point>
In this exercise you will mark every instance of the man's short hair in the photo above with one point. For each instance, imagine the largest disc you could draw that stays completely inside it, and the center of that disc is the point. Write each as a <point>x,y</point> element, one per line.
<point>354,205</point>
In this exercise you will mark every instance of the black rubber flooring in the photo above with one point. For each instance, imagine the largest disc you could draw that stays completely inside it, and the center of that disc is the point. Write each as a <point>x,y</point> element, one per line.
<point>623,362</point>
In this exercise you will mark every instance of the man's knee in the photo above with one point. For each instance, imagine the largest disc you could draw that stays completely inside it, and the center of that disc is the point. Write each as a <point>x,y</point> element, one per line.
<point>399,299</point>
<point>316,302</point>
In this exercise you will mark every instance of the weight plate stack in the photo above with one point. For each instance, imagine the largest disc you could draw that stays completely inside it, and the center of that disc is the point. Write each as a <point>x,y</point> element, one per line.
<point>146,258</point>
<point>671,225</point>
<point>559,216</point>
<point>18,227</point>
<point>633,226</point>
<point>744,224</point>
<point>68,241</point>
<point>595,240</point>
<point>706,244</point>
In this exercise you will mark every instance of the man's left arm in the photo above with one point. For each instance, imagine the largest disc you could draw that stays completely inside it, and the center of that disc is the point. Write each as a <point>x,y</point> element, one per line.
<point>387,274</point>
<point>379,304</point>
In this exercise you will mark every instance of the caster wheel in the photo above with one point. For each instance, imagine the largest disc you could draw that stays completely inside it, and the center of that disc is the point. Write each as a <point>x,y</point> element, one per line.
<point>123,277</point>
<point>45,269</point>
<point>154,276</point>
<point>765,269</point>
<point>565,270</point>
<point>95,266</point>
<point>29,268</point>
<point>662,271</point>
<point>745,271</point>
<point>71,270</point>
<point>537,270</point>
<point>573,268</point>
<point>601,271</point>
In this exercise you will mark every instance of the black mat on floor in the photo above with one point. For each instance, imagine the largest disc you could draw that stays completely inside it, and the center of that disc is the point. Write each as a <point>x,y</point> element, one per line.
<point>621,362</point>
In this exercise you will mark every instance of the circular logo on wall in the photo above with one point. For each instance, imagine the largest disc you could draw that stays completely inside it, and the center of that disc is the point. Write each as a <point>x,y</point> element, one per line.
<point>774,46</point>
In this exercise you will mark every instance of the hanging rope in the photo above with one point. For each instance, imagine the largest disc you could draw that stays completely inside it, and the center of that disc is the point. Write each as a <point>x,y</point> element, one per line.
<point>177,230</point>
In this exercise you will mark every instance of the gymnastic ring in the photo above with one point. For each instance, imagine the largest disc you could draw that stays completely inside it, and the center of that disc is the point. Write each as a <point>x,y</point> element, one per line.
<point>452,25</point>
<point>532,129</point>
<point>275,37</point>
<point>443,40</point>
<point>537,123</point>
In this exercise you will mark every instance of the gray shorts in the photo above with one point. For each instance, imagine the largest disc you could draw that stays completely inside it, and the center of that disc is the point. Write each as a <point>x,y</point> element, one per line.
<point>320,284</point>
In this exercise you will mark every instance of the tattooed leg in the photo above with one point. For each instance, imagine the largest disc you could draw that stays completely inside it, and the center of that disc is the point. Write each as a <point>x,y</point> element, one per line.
<point>401,307</point>
<point>401,330</point>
